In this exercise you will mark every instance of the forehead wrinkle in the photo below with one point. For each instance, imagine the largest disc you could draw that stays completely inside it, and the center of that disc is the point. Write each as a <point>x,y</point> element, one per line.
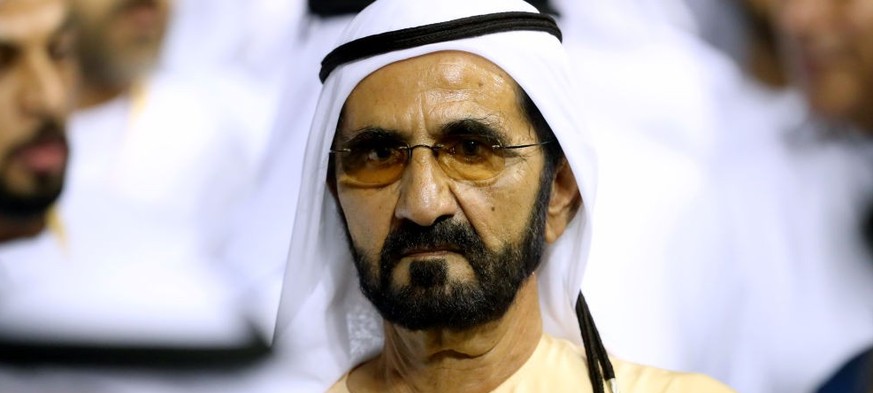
<point>421,104</point>
<point>461,107</point>
<point>437,90</point>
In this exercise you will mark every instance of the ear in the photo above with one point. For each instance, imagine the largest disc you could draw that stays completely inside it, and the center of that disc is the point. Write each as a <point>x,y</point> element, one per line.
<point>563,203</point>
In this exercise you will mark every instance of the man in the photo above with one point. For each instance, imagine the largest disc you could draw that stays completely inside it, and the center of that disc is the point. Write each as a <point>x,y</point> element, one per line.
<point>263,232</point>
<point>447,182</point>
<point>681,146</point>
<point>752,213</point>
<point>830,53</point>
<point>829,50</point>
<point>162,155</point>
<point>37,77</point>
<point>139,273</point>
<point>121,41</point>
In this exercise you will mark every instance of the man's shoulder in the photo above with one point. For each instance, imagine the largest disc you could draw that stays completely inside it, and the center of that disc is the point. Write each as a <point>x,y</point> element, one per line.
<point>646,379</point>
<point>636,378</point>
<point>340,386</point>
<point>558,365</point>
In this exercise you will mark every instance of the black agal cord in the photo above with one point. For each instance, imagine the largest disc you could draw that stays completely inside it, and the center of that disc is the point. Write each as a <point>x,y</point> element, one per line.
<point>474,26</point>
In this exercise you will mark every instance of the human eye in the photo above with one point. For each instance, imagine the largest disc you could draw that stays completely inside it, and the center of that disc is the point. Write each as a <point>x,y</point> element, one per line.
<point>470,149</point>
<point>374,152</point>
<point>380,154</point>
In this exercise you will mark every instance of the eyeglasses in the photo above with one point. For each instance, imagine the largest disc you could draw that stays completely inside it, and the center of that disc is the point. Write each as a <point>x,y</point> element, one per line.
<point>381,161</point>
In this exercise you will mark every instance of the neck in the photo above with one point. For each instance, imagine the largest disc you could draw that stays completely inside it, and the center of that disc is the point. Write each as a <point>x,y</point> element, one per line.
<point>20,227</point>
<point>475,360</point>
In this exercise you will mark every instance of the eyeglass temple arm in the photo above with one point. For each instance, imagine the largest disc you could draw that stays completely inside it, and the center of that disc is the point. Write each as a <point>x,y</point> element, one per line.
<point>521,146</point>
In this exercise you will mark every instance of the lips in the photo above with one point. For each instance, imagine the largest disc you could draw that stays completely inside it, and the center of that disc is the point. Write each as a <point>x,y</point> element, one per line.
<point>47,156</point>
<point>417,251</point>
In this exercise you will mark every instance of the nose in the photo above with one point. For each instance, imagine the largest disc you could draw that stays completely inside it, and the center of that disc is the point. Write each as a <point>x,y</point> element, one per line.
<point>42,92</point>
<point>425,192</point>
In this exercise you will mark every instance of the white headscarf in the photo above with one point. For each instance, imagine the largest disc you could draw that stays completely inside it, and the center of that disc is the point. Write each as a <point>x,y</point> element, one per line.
<point>324,321</point>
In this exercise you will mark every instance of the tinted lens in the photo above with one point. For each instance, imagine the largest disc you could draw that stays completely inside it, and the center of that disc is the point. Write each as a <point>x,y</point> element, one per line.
<point>382,162</point>
<point>470,158</point>
<point>374,164</point>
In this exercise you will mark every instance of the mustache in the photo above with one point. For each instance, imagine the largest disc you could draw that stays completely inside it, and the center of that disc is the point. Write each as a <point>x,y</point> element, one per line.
<point>50,130</point>
<point>449,235</point>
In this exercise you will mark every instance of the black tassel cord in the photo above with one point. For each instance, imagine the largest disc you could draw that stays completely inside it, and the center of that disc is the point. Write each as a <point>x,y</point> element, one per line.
<point>599,367</point>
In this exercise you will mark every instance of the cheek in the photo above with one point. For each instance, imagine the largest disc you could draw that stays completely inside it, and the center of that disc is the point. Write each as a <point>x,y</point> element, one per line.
<point>500,212</point>
<point>369,214</point>
<point>13,126</point>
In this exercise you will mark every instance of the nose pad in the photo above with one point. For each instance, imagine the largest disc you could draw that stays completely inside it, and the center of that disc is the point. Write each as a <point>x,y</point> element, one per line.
<point>425,192</point>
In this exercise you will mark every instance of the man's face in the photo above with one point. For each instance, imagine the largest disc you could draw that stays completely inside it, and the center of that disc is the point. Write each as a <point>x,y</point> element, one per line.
<point>37,73</point>
<point>432,248</point>
<point>830,48</point>
<point>121,39</point>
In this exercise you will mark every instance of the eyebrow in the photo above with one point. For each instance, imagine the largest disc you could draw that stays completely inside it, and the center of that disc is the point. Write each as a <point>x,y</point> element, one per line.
<point>475,127</point>
<point>468,127</point>
<point>369,133</point>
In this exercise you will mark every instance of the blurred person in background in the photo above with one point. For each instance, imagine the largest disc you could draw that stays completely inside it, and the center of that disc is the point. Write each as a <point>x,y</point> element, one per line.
<point>162,155</point>
<point>829,47</point>
<point>121,42</point>
<point>657,255</point>
<point>781,222</point>
<point>37,80</point>
<point>830,54</point>
<point>719,207</point>
<point>159,160</point>
<point>743,31</point>
<point>155,160</point>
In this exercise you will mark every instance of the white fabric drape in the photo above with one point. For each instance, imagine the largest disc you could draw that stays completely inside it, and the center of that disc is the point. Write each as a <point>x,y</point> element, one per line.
<point>323,318</point>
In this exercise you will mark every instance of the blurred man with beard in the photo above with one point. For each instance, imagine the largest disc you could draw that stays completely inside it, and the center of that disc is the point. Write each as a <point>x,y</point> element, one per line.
<point>120,45</point>
<point>830,52</point>
<point>156,166</point>
<point>163,155</point>
<point>829,48</point>
<point>764,235</point>
<point>37,76</point>
<point>135,275</point>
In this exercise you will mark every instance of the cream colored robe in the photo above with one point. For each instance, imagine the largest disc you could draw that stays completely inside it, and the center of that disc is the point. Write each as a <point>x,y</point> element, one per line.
<point>559,366</point>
